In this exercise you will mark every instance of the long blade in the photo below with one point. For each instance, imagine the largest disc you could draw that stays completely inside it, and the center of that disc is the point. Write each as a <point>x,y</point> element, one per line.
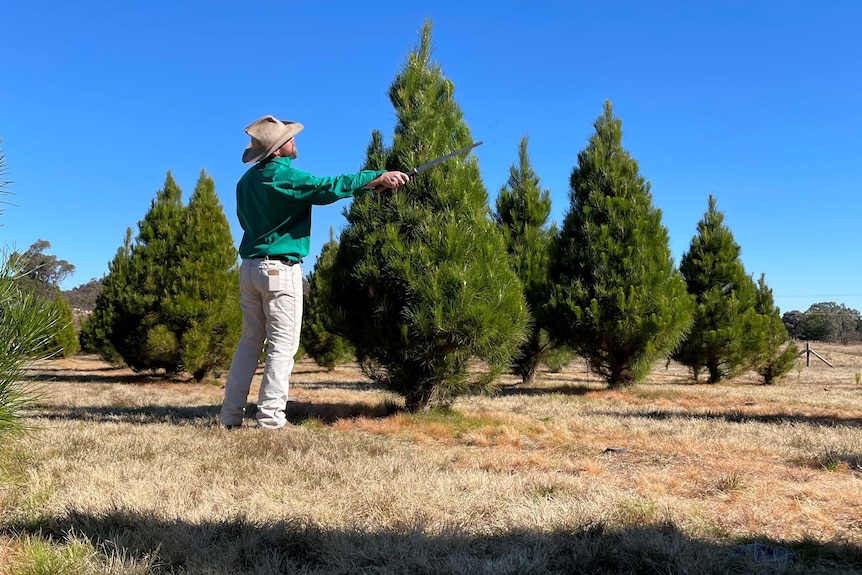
<point>434,162</point>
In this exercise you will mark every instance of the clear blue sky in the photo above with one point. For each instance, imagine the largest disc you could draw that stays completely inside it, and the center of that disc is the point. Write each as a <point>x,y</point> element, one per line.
<point>756,102</point>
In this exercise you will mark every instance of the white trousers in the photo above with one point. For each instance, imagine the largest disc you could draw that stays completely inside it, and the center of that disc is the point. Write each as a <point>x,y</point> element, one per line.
<point>271,302</point>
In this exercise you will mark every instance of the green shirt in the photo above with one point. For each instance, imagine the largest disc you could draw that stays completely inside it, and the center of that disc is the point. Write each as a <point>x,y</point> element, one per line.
<point>273,204</point>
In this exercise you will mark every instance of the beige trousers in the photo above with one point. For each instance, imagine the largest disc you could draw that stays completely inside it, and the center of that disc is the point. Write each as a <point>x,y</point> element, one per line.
<point>271,302</point>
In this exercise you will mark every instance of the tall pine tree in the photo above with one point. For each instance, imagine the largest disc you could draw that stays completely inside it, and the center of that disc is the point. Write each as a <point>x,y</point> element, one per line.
<point>618,299</point>
<point>423,276</point>
<point>151,344</point>
<point>204,307</point>
<point>523,208</point>
<point>725,322</point>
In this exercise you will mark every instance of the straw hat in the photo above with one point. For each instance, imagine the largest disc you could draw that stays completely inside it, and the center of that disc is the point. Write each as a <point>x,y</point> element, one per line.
<point>267,135</point>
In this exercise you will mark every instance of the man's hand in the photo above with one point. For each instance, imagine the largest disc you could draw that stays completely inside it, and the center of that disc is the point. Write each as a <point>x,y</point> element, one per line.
<point>389,180</point>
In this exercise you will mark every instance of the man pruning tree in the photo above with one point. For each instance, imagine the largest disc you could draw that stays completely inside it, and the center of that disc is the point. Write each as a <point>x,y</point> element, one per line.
<point>273,204</point>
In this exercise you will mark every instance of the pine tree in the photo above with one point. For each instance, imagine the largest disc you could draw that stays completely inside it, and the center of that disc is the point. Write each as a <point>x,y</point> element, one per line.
<point>326,348</point>
<point>26,323</point>
<point>170,299</point>
<point>523,208</point>
<point>725,320</point>
<point>618,300</point>
<point>64,340</point>
<point>204,305</point>
<point>150,343</point>
<point>774,354</point>
<point>421,271</point>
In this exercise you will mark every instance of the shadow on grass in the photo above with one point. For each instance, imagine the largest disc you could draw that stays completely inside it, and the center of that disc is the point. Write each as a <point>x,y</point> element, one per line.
<point>572,390</point>
<point>741,417</point>
<point>200,415</point>
<point>110,376</point>
<point>297,412</point>
<point>239,545</point>
<point>328,413</point>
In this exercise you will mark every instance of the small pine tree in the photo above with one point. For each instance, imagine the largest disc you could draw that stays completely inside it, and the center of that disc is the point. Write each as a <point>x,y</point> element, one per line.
<point>775,354</point>
<point>64,340</point>
<point>523,208</point>
<point>324,347</point>
<point>725,322</point>
<point>422,274</point>
<point>618,300</point>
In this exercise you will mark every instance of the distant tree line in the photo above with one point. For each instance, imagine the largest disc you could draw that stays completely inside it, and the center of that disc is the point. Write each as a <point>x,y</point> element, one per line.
<point>825,321</point>
<point>83,297</point>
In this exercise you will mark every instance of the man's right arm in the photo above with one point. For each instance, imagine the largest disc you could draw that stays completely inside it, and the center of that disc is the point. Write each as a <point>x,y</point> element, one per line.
<point>390,180</point>
<point>314,190</point>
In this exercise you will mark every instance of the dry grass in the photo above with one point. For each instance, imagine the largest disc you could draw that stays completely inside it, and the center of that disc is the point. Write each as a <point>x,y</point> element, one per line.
<point>566,476</point>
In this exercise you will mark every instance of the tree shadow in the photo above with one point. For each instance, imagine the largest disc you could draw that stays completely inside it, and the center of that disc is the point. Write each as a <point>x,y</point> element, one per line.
<point>297,412</point>
<point>239,545</point>
<point>569,390</point>
<point>736,416</point>
<point>110,377</point>
<point>199,415</point>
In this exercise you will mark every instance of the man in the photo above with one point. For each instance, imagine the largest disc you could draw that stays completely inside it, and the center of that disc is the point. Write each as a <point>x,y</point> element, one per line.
<point>273,204</point>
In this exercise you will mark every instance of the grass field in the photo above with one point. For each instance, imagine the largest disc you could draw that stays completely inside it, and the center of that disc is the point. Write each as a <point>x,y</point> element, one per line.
<point>131,474</point>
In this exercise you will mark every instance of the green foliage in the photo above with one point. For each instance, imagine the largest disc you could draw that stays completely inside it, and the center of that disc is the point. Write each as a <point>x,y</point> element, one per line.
<point>421,272</point>
<point>203,309</point>
<point>170,298</point>
<point>326,348</point>
<point>522,214</point>
<point>27,324</point>
<point>40,274</point>
<point>726,324</point>
<point>64,340</point>
<point>618,299</point>
<point>3,170</point>
<point>829,321</point>
<point>773,354</point>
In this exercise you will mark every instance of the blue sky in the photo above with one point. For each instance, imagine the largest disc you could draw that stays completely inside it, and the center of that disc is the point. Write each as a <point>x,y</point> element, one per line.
<point>755,102</point>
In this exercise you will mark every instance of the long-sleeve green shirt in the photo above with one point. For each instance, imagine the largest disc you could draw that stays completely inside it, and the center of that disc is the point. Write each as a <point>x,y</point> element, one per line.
<point>273,204</point>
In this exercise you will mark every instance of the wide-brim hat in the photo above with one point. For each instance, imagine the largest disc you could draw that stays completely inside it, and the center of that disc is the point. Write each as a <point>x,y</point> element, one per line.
<point>267,135</point>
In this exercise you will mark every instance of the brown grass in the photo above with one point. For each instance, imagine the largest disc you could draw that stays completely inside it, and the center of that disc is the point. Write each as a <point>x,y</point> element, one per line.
<point>663,477</point>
